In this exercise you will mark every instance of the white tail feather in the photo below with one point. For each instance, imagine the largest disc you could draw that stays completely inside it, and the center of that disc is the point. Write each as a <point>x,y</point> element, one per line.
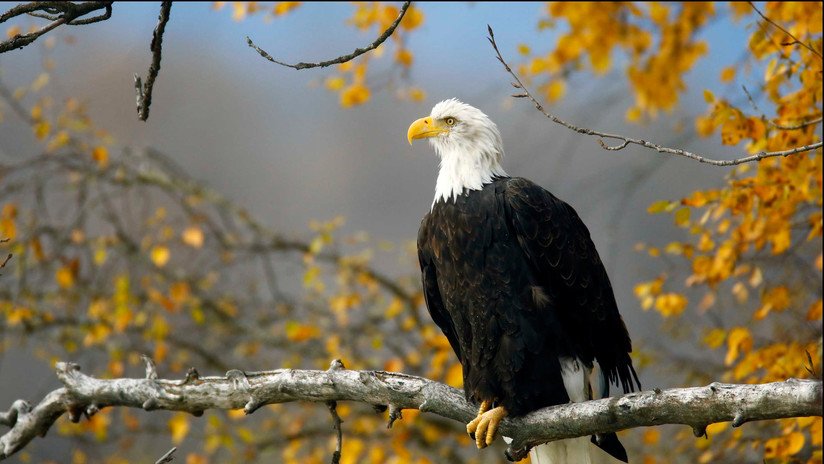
<point>577,381</point>
<point>572,451</point>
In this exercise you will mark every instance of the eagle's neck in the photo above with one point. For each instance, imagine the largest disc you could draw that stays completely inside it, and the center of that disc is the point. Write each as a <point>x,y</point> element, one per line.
<point>465,167</point>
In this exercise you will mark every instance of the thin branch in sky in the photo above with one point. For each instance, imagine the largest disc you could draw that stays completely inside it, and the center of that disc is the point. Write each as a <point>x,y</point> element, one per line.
<point>625,141</point>
<point>144,92</point>
<point>343,58</point>
<point>58,12</point>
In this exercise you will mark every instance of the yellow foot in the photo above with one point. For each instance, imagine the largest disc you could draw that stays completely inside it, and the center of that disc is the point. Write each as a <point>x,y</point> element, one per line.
<point>470,427</point>
<point>485,426</point>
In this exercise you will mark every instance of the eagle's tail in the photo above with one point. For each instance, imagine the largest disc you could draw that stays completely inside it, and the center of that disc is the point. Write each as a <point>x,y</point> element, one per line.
<point>582,383</point>
<point>574,451</point>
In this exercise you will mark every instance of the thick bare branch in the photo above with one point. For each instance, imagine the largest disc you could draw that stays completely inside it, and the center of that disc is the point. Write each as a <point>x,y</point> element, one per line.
<point>144,92</point>
<point>695,407</point>
<point>625,141</point>
<point>58,12</point>
<point>343,58</point>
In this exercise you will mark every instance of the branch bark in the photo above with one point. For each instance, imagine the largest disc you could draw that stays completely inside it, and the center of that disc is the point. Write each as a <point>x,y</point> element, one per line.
<point>695,407</point>
<point>59,13</point>
<point>144,92</point>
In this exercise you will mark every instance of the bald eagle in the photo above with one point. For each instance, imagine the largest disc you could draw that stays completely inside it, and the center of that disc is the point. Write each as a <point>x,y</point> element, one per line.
<point>513,279</point>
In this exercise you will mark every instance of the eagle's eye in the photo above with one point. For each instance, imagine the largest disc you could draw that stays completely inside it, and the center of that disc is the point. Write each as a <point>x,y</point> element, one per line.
<point>450,121</point>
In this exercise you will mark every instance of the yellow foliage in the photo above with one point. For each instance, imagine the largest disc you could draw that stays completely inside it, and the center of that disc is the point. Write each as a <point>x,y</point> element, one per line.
<point>13,31</point>
<point>454,375</point>
<point>738,341</point>
<point>179,427</point>
<point>412,19</point>
<point>65,276</point>
<point>193,237</point>
<point>101,156</point>
<point>715,338</point>
<point>354,95</point>
<point>281,8</point>
<point>160,255</point>
<point>727,74</point>
<point>404,57</point>
<point>298,332</point>
<point>671,304</point>
<point>785,446</point>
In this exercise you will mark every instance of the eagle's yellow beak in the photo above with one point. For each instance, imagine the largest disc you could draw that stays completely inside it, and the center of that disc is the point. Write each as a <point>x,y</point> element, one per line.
<point>425,128</point>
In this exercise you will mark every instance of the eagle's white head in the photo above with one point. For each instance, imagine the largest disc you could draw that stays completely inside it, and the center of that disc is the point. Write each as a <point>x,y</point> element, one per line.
<point>468,143</point>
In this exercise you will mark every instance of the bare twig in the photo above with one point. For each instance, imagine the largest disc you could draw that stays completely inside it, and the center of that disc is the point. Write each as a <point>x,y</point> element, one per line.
<point>628,140</point>
<point>168,457</point>
<point>3,264</point>
<point>58,12</point>
<point>695,407</point>
<point>144,92</point>
<point>336,421</point>
<point>341,59</point>
<point>795,41</point>
<point>800,125</point>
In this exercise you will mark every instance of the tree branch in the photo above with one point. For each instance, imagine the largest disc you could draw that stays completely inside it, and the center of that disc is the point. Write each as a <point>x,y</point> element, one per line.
<point>696,407</point>
<point>628,140</point>
<point>58,12</point>
<point>796,41</point>
<point>144,93</point>
<point>341,59</point>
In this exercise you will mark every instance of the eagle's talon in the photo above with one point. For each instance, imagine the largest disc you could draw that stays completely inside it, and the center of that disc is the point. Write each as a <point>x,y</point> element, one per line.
<point>485,426</point>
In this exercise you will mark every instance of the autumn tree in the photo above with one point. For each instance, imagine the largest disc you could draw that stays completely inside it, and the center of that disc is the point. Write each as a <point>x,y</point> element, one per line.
<point>117,252</point>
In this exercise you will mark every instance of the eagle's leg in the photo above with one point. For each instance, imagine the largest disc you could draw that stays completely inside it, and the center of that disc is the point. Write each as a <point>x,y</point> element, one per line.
<point>485,426</point>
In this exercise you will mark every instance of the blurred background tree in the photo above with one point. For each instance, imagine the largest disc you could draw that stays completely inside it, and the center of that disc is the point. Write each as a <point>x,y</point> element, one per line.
<point>183,237</point>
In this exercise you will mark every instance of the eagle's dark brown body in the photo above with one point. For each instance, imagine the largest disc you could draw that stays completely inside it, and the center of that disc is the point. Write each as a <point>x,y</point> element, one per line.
<point>512,277</point>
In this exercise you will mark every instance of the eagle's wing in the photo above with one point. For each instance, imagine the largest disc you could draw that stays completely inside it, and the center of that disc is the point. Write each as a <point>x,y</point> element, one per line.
<point>566,264</point>
<point>431,292</point>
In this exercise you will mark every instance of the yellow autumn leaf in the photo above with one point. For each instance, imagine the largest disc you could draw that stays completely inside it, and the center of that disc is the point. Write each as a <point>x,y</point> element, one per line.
<point>281,8</point>
<point>101,156</point>
<point>454,375</point>
<point>160,255</point>
<point>354,95</point>
<point>682,217</point>
<point>739,340</point>
<point>814,312</point>
<point>334,83</point>
<point>708,96</point>
<point>42,129</point>
<point>13,31</point>
<point>298,332</point>
<point>179,427</point>
<point>670,304</point>
<point>715,338</point>
<point>65,276</point>
<point>179,292</point>
<point>555,90</point>
<point>660,206</point>
<point>404,57</point>
<point>416,94</point>
<point>633,114</point>
<point>728,74</point>
<point>412,19</point>
<point>651,436</point>
<point>193,237</point>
